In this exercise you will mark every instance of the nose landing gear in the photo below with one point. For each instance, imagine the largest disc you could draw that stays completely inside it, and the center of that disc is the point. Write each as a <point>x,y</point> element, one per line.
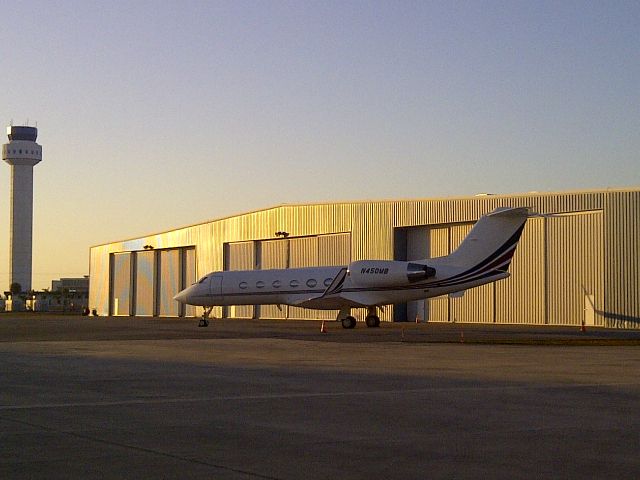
<point>204,321</point>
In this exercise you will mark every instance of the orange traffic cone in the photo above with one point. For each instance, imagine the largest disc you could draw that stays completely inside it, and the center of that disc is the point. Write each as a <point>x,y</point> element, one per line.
<point>323,329</point>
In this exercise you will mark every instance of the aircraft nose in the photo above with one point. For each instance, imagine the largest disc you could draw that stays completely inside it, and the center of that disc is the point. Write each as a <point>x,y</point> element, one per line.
<point>182,296</point>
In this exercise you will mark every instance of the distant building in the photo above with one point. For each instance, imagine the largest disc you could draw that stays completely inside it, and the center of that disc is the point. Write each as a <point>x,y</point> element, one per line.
<point>71,285</point>
<point>580,262</point>
<point>67,295</point>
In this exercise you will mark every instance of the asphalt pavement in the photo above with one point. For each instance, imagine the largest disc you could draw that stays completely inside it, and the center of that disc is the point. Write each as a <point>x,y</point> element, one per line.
<point>86,397</point>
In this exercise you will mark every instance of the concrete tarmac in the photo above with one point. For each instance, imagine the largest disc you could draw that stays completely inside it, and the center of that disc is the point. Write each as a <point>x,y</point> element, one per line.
<point>161,398</point>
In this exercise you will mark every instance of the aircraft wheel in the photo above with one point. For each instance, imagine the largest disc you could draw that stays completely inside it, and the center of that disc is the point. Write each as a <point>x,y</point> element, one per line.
<point>348,322</point>
<point>372,321</point>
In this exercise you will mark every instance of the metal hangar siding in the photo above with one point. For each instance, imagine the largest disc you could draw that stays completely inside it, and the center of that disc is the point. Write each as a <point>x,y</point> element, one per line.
<point>579,264</point>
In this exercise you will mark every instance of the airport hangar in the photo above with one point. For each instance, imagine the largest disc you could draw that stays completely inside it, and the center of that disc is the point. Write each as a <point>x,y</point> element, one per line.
<point>579,263</point>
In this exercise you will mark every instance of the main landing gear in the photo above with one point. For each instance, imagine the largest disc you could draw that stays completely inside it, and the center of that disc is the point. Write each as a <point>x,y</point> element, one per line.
<point>372,319</point>
<point>349,322</point>
<point>204,321</point>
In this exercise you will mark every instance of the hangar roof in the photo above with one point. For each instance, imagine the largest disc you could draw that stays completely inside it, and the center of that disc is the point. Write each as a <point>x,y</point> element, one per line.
<point>388,201</point>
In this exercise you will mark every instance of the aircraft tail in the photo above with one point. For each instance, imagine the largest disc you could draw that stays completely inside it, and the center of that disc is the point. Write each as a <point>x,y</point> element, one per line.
<point>492,241</point>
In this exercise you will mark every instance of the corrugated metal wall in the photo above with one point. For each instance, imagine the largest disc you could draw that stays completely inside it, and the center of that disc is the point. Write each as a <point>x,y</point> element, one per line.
<point>370,228</point>
<point>574,266</point>
<point>334,250</point>
<point>438,308</point>
<point>100,276</point>
<point>522,295</point>
<point>622,260</point>
<point>477,303</point>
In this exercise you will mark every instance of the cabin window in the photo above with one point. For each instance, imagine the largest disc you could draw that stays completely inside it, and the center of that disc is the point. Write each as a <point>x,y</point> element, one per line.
<point>312,283</point>
<point>294,283</point>
<point>243,285</point>
<point>277,284</point>
<point>260,284</point>
<point>327,281</point>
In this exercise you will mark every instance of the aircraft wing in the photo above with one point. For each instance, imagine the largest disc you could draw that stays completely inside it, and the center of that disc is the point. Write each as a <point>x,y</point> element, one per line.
<point>329,299</point>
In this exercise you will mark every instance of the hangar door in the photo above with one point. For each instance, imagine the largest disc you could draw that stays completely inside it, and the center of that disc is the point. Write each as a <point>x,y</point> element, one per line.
<point>145,269</point>
<point>239,256</point>
<point>322,250</point>
<point>517,299</point>
<point>410,243</point>
<point>272,254</point>
<point>143,283</point>
<point>170,282</point>
<point>189,271</point>
<point>420,242</point>
<point>120,298</point>
<point>556,275</point>
<point>486,304</point>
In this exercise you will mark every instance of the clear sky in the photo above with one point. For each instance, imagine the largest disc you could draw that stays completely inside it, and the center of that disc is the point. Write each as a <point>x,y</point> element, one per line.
<point>159,114</point>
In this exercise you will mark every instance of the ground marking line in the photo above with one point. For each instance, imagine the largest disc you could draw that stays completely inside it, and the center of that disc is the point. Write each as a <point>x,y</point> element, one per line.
<point>293,395</point>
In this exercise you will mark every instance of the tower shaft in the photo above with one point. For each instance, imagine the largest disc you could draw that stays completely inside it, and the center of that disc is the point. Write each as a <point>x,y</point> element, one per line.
<point>22,153</point>
<point>21,220</point>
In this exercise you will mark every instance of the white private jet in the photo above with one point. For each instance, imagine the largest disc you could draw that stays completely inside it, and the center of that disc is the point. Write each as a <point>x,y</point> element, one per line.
<point>483,257</point>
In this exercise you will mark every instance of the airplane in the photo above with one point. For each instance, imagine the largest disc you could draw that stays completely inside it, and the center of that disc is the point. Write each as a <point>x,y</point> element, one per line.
<point>483,257</point>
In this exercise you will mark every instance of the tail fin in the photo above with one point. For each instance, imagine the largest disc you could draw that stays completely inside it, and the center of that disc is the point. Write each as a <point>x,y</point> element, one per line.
<point>492,241</point>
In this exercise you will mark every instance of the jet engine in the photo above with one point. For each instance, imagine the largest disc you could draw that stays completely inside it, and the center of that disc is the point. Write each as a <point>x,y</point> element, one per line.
<point>387,273</point>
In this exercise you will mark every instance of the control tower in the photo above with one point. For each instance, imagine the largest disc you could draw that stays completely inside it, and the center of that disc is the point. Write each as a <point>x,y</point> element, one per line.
<point>22,153</point>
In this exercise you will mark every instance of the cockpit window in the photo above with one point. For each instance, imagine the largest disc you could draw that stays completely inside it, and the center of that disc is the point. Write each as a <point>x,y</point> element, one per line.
<point>203,279</point>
